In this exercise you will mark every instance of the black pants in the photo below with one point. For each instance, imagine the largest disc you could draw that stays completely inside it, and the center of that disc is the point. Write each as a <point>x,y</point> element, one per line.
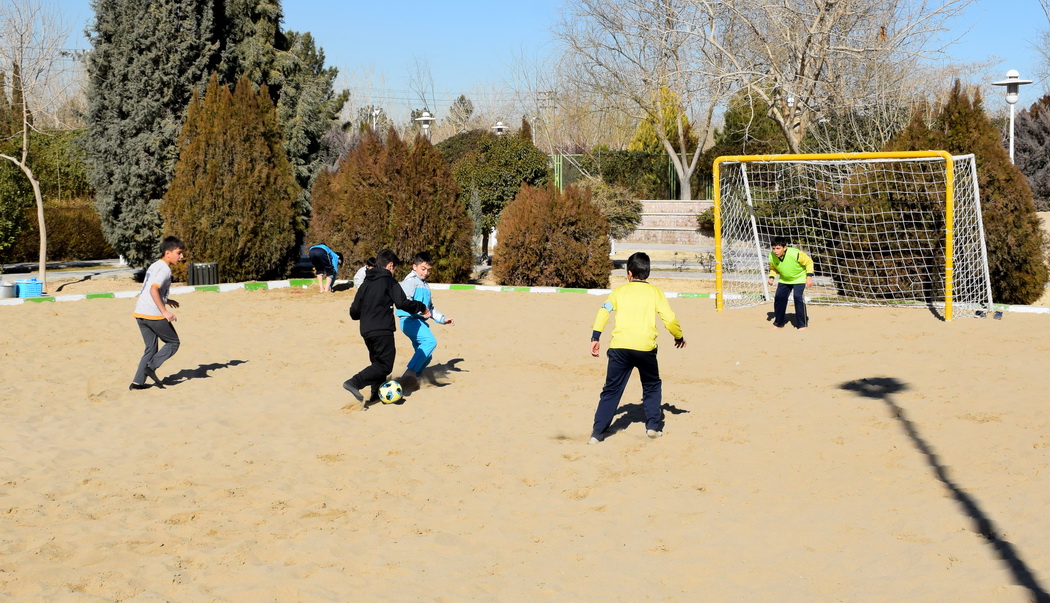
<point>780,304</point>
<point>381,352</point>
<point>621,363</point>
<point>321,262</point>
<point>152,330</point>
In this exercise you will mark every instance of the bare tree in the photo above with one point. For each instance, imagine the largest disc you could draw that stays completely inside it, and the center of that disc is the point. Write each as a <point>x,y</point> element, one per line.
<point>31,43</point>
<point>634,50</point>
<point>837,60</point>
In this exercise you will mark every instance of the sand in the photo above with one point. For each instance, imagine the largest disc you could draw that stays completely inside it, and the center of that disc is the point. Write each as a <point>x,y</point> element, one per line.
<point>881,455</point>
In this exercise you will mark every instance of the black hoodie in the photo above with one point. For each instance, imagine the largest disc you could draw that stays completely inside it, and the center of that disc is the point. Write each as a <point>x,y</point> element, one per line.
<point>375,297</point>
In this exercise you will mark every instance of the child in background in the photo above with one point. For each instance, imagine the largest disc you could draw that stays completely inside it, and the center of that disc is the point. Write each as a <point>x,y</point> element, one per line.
<point>154,320</point>
<point>326,265</point>
<point>633,346</point>
<point>414,326</point>
<point>359,278</point>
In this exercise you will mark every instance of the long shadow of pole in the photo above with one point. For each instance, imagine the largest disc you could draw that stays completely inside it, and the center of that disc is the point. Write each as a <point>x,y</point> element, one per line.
<point>882,388</point>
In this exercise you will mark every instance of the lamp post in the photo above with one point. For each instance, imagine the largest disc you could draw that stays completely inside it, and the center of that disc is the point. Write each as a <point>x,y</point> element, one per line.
<point>425,120</point>
<point>500,128</point>
<point>1013,83</point>
<point>375,116</point>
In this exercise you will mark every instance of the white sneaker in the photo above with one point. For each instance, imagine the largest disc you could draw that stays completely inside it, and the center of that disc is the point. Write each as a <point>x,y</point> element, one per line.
<point>652,433</point>
<point>594,440</point>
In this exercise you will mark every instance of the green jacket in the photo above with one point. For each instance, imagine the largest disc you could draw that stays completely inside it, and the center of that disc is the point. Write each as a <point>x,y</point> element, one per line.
<point>793,269</point>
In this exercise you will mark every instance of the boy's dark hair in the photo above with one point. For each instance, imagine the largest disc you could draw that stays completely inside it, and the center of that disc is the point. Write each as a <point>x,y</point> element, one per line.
<point>638,265</point>
<point>370,263</point>
<point>385,257</point>
<point>421,258</point>
<point>779,242</point>
<point>171,244</point>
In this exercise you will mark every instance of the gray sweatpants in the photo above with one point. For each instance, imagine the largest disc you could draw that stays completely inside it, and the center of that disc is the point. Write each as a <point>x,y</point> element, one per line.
<point>152,330</point>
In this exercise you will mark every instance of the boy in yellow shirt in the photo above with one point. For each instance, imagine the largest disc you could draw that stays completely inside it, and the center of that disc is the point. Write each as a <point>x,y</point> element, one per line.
<point>796,273</point>
<point>633,346</point>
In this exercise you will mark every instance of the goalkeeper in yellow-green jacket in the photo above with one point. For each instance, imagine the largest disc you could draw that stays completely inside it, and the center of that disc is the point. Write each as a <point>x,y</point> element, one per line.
<point>795,270</point>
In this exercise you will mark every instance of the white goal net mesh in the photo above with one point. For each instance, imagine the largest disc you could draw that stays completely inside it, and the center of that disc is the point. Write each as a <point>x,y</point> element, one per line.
<point>875,228</point>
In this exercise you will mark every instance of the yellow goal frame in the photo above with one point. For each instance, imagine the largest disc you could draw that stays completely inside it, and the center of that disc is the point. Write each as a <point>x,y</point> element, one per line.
<point>949,204</point>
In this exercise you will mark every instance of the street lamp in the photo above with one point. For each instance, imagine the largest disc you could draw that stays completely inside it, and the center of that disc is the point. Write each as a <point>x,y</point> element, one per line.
<point>425,120</point>
<point>500,128</point>
<point>375,116</point>
<point>1013,82</point>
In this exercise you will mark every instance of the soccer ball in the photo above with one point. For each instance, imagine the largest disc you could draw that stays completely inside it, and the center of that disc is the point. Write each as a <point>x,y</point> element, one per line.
<point>390,392</point>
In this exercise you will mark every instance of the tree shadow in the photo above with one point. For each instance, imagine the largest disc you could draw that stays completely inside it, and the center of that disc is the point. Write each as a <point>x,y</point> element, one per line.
<point>882,388</point>
<point>635,413</point>
<point>201,372</point>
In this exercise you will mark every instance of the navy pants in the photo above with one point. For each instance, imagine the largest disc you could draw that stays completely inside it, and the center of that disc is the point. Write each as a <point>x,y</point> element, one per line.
<point>780,304</point>
<point>621,363</point>
<point>152,330</point>
<point>381,353</point>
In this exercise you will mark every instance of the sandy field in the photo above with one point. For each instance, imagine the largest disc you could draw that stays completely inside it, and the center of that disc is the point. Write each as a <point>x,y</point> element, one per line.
<point>881,455</point>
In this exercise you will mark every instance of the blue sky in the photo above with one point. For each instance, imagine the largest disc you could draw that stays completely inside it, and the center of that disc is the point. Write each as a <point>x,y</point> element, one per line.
<point>474,44</point>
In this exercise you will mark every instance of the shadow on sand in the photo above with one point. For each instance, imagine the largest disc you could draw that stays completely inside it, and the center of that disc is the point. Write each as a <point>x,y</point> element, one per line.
<point>883,388</point>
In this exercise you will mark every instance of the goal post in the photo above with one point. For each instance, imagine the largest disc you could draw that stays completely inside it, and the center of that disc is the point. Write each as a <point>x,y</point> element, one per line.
<point>883,229</point>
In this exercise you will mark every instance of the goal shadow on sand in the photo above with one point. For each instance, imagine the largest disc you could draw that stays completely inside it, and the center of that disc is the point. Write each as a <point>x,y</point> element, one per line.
<point>201,372</point>
<point>883,388</point>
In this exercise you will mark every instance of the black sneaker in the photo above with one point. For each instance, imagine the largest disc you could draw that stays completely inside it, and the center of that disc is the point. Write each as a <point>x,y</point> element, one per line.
<point>135,386</point>
<point>152,374</point>
<point>353,390</point>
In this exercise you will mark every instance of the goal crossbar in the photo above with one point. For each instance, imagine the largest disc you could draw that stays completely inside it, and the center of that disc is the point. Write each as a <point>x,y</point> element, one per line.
<point>899,216</point>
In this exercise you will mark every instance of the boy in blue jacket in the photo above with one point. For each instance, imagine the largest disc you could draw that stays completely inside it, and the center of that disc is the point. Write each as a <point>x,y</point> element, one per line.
<point>415,326</point>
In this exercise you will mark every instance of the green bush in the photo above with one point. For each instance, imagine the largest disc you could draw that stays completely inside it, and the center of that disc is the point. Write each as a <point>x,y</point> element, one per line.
<point>619,207</point>
<point>552,239</point>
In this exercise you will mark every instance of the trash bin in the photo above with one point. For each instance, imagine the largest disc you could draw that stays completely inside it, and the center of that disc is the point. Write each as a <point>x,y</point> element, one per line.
<point>7,290</point>
<point>203,273</point>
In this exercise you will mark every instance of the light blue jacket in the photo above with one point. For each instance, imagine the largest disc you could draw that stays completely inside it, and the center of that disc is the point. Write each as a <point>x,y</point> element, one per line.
<point>416,288</point>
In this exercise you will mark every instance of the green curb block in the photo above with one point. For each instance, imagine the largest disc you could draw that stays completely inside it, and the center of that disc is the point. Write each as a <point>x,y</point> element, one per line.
<point>46,298</point>
<point>571,290</point>
<point>517,289</point>
<point>100,296</point>
<point>256,286</point>
<point>301,282</point>
<point>696,295</point>
<point>462,287</point>
<point>212,288</point>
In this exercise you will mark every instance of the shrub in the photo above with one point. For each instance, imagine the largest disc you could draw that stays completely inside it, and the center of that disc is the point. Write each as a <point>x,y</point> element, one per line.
<point>618,206</point>
<point>74,232</point>
<point>552,239</point>
<point>234,197</point>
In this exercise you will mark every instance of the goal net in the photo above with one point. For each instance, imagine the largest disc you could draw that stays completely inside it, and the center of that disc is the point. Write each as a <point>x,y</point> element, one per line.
<point>883,229</point>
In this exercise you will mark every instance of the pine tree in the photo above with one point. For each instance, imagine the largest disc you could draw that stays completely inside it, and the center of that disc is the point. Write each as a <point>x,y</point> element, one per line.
<point>1017,246</point>
<point>146,60</point>
<point>1032,150</point>
<point>233,196</point>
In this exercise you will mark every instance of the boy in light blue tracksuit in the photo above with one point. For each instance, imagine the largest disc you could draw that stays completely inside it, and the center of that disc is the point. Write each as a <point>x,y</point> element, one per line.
<point>414,326</point>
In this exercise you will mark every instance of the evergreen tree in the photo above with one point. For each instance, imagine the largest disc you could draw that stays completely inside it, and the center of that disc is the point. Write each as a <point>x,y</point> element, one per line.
<point>1016,243</point>
<point>146,60</point>
<point>234,193</point>
<point>525,133</point>
<point>396,196</point>
<point>1032,150</point>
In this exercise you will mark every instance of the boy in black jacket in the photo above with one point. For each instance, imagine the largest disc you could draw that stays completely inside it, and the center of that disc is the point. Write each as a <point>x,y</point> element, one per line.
<point>372,307</point>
